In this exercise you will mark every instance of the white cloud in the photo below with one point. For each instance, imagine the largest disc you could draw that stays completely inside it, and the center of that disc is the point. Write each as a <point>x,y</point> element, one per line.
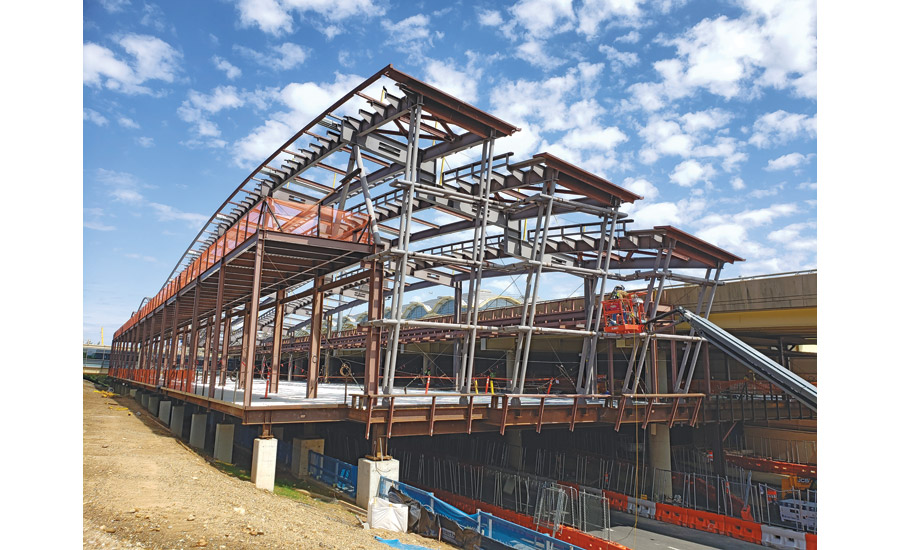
<point>594,12</point>
<point>145,141</point>
<point>618,60</point>
<point>114,6</point>
<point>543,17</point>
<point>533,52</point>
<point>142,257</point>
<point>676,214</point>
<point>304,102</point>
<point>630,38</point>
<point>461,83</point>
<point>594,138</point>
<point>790,236</point>
<point>642,187</point>
<point>92,220</point>
<point>231,72</point>
<point>412,33</point>
<point>709,119</point>
<point>126,122</point>
<point>664,137</point>
<point>780,127</point>
<point>772,45</point>
<point>197,106</point>
<point>489,18</point>
<point>791,160</point>
<point>737,183</point>
<point>690,172</point>
<point>282,58</point>
<point>122,186</point>
<point>151,59</point>
<point>269,15</point>
<point>94,116</point>
<point>166,213</point>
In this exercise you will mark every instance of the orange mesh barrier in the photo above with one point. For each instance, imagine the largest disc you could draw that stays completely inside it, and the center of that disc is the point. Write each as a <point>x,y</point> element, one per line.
<point>811,543</point>
<point>271,215</point>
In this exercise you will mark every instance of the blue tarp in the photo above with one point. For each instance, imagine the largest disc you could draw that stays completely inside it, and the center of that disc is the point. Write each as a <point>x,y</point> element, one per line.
<point>394,543</point>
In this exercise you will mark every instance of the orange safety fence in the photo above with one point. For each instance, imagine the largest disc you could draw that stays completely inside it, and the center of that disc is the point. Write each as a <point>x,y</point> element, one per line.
<point>270,215</point>
<point>617,501</point>
<point>811,543</point>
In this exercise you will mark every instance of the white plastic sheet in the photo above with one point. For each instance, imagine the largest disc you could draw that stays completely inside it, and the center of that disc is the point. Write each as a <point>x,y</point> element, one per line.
<point>383,514</point>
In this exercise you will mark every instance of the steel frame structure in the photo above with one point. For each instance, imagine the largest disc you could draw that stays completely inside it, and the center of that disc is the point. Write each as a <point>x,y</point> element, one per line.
<point>388,166</point>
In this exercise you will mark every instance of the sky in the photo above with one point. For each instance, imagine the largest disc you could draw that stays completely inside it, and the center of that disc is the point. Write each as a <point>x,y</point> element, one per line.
<point>706,109</point>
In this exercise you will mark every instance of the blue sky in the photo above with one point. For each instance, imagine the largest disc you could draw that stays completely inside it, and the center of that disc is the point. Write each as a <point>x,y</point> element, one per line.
<point>707,109</point>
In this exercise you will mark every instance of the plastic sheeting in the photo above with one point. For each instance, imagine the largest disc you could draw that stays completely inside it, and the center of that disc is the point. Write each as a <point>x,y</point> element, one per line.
<point>394,543</point>
<point>384,514</point>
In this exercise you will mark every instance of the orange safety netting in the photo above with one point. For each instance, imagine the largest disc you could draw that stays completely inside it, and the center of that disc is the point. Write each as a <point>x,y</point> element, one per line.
<point>270,215</point>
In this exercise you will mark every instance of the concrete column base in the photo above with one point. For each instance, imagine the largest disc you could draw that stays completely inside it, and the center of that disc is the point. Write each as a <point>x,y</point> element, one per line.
<point>153,405</point>
<point>224,445</point>
<point>165,411</point>
<point>300,454</point>
<point>133,393</point>
<point>198,431</point>
<point>262,469</point>
<point>177,421</point>
<point>145,399</point>
<point>369,474</point>
<point>661,458</point>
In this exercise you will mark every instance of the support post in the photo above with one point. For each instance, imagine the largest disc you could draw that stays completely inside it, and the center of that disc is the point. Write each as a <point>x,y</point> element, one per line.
<point>250,331</point>
<point>373,334</point>
<point>276,340</point>
<point>315,338</point>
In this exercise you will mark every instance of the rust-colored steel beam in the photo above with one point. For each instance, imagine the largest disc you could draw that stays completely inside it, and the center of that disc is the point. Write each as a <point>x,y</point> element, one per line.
<point>249,358</point>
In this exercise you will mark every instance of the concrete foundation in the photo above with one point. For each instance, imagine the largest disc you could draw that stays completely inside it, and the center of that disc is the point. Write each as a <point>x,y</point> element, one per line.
<point>198,431</point>
<point>262,469</point>
<point>132,393</point>
<point>300,454</point>
<point>513,439</point>
<point>145,399</point>
<point>224,445</point>
<point>369,474</point>
<point>153,405</point>
<point>165,411</point>
<point>177,421</point>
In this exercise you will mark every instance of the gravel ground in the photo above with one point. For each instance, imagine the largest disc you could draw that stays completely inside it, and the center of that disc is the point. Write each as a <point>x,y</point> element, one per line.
<point>145,489</point>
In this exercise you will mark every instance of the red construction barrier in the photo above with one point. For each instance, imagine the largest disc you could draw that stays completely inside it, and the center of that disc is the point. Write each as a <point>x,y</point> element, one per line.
<point>670,514</point>
<point>811,541</point>
<point>743,530</point>
<point>617,501</point>
<point>704,521</point>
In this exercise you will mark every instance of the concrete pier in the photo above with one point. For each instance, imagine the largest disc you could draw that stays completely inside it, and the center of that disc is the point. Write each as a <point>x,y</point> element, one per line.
<point>223,448</point>
<point>262,469</point>
<point>300,453</point>
<point>369,474</point>
<point>198,431</point>
<point>165,412</point>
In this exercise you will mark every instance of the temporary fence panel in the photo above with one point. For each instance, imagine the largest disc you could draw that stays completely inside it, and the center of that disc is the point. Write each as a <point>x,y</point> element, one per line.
<point>333,472</point>
<point>594,514</point>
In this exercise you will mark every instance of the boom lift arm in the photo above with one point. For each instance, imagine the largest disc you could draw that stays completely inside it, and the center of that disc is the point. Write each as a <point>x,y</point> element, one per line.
<point>795,386</point>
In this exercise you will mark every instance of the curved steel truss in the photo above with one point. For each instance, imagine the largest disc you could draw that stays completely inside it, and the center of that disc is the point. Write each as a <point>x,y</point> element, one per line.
<point>344,215</point>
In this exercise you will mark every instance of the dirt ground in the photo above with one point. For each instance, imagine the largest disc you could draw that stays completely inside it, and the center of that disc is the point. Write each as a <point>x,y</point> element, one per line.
<point>143,488</point>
